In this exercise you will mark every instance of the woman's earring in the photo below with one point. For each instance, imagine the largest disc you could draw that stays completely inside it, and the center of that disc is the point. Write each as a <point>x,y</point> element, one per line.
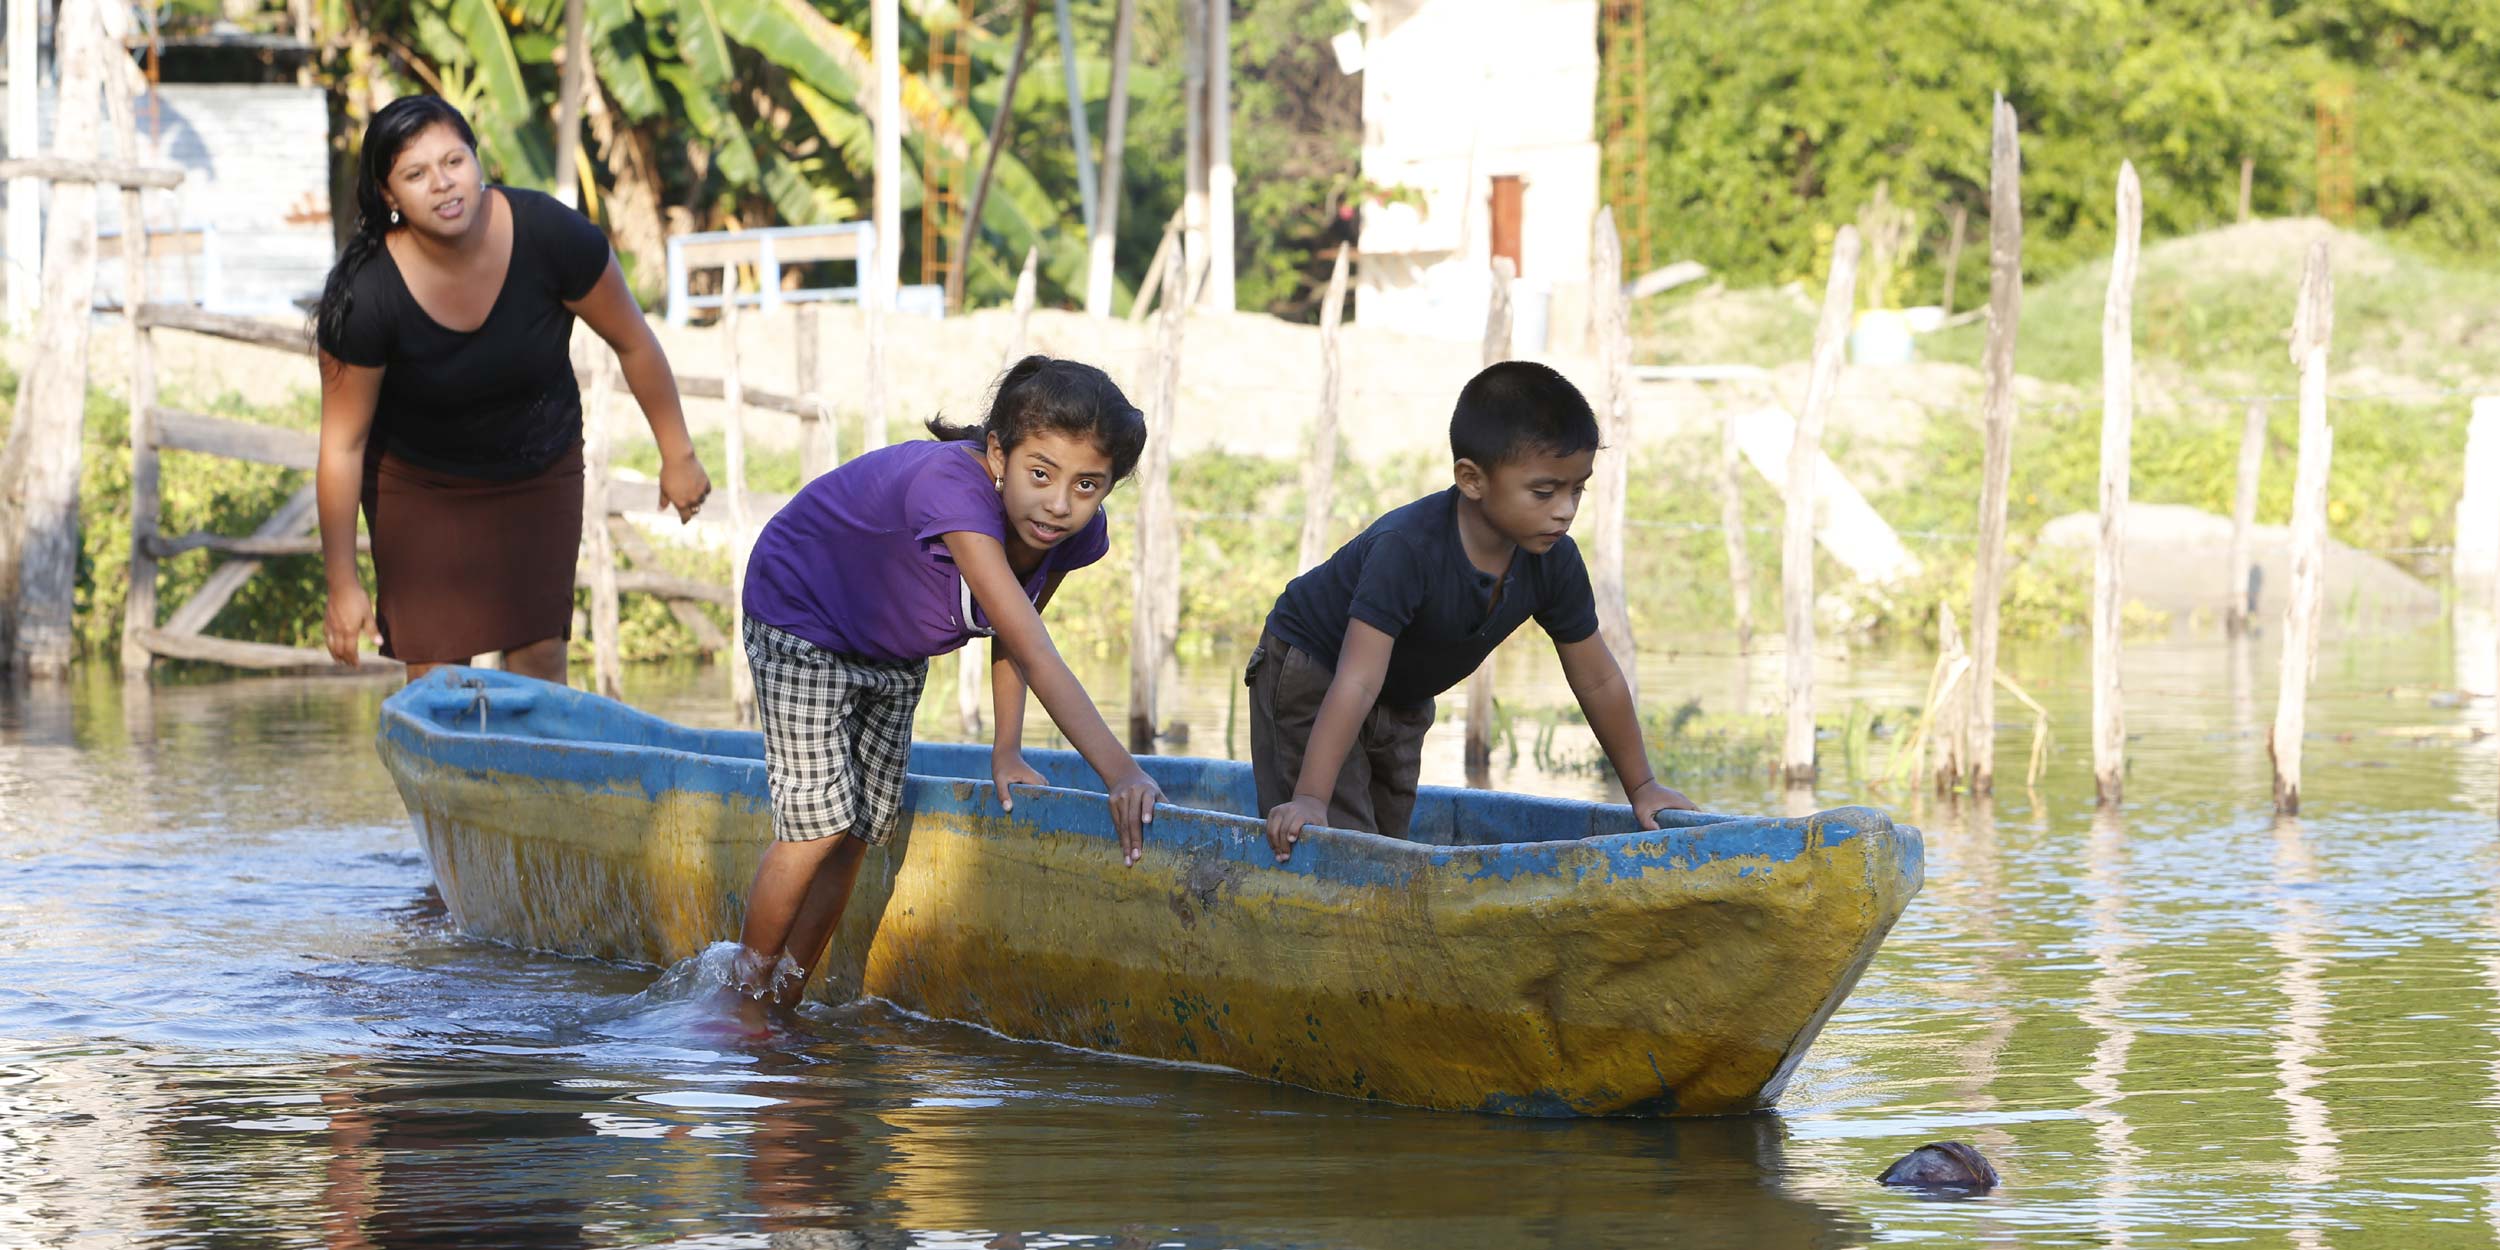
<point>1000,483</point>
<point>394,216</point>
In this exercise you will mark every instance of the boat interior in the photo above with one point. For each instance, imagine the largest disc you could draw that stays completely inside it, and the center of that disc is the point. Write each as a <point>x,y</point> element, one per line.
<point>474,701</point>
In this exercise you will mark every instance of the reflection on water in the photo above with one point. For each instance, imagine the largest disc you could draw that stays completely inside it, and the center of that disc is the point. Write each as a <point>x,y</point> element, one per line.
<point>232,1012</point>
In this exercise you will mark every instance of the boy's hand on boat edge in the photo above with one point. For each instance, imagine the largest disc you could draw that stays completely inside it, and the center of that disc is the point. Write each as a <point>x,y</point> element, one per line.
<point>1007,768</point>
<point>1133,800</point>
<point>1652,798</point>
<point>1286,820</point>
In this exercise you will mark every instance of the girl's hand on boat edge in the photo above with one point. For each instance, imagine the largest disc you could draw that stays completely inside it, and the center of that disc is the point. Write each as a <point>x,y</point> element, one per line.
<point>1652,798</point>
<point>1007,768</point>
<point>1133,800</point>
<point>1285,822</point>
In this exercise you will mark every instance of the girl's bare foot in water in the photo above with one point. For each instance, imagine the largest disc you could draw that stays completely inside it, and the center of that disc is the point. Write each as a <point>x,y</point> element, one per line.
<point>754,985</point>
<point>748,1018</point>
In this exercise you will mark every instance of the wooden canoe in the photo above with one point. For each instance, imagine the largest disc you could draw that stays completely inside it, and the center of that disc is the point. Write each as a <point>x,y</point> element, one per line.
<point>1525,956</point>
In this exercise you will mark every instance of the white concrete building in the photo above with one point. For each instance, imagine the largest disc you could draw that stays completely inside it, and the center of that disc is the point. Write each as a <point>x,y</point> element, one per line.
<point>249,230</point>
<point>1485,110</point>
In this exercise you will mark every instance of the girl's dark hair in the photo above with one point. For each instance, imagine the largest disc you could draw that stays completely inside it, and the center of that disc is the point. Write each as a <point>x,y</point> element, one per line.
<point>1039,394</point>
<point>393,125</point>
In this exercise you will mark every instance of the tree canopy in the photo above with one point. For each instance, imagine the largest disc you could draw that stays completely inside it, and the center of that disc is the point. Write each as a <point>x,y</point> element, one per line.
<point>1773,121</point>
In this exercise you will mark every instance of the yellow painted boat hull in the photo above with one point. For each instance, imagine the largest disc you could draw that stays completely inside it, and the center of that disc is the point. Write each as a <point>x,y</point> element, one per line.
<point>1529,956</point>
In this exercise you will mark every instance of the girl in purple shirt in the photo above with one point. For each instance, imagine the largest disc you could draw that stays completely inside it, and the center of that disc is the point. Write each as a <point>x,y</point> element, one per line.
<point>899,555</point>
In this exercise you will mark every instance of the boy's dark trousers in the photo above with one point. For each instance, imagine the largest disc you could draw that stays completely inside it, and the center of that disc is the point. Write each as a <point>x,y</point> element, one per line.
<point>1376,788</point>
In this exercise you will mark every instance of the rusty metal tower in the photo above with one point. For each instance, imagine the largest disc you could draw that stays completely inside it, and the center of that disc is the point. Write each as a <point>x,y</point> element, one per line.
<point>1623,121</point>
<point>942,174</point>
<point>2335,151</point>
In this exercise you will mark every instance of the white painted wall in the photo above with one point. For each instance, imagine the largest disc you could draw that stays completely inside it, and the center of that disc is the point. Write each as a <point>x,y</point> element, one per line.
<point>256,163</point>
<point>1455,93</point>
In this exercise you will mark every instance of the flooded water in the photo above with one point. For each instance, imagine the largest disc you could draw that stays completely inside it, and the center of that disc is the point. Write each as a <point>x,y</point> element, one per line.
<point>232,1012</point>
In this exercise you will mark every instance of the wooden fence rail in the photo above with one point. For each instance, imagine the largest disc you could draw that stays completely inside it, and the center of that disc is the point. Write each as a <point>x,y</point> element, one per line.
<point>293,529</point>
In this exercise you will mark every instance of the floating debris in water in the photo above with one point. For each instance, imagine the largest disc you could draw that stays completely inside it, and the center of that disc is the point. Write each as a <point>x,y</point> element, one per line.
<point>1948,1165</point>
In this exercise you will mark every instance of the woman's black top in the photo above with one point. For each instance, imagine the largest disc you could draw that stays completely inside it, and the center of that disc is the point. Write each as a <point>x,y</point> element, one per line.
<point>499,401</point>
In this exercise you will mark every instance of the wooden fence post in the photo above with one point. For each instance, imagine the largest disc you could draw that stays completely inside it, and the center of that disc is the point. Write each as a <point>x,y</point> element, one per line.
<point>146,490</point>
<point>2109,728</point>
<point>1319,466</point>
<point>607,665</point>
<point>1479,743</point>
<point>1953,255</point>
<point>819,445</point>
<point>2005,297</point>
<point>733,435</point>
<point>974,658</point>
<point>1805,452</point>
<point>39,473</point>
<point>1732,525</point>
<point>1155,597</point>
<point>1614,452</point>
<point>2248,184</point>
<point>2244,517</point>
<point>2312,325</point>
<point>1099,278</point>
<point>1952,706</point>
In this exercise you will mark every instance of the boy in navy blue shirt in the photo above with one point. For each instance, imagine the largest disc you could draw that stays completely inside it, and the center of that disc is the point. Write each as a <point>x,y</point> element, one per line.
<point>1356,650</point>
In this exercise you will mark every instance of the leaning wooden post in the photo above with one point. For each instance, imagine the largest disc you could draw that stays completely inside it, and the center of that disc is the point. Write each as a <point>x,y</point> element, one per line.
<point>1319,466</point>
<point>2109,729</point>
<point>733,428</point>
<point>817,445</point>
<point>146,497</point>
<point>2005,298</point>
<point>1479,744</point>
<point>1732,525</point>
<point>2244,517</point>
<point>1805,455</point>
<point>607,664</point>
<point>2312,324</point>
<point>1614,451</point>
<point>1156,590</point>
<point>1002,124</point>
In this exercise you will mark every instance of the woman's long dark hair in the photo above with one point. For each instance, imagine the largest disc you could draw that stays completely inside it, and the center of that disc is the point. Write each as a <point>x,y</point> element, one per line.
<point>1040,393</point>
<point>393,125</point>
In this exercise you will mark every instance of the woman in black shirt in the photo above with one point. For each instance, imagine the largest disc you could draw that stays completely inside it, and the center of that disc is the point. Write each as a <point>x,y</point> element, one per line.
<point>448,405</point>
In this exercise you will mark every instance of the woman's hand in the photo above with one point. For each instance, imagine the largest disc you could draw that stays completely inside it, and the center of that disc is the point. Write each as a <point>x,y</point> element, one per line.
<point>350,618</point>
<point>1007,768</point>
<point>1133,800</point>
<point>684,485</point>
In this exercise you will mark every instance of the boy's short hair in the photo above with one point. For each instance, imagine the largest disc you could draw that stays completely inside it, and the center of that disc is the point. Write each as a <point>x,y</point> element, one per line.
<point>1517,406</point>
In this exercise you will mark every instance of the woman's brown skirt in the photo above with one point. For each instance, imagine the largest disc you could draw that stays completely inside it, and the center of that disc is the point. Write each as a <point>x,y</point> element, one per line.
<point>466,565</point>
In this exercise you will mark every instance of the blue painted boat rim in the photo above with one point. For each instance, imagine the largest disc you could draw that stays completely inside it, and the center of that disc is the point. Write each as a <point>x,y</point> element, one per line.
<point>405,719</point>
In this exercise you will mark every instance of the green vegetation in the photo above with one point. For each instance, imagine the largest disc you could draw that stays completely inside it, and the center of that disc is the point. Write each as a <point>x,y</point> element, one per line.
<point>2214,313</point>
<point>1770,119</point>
